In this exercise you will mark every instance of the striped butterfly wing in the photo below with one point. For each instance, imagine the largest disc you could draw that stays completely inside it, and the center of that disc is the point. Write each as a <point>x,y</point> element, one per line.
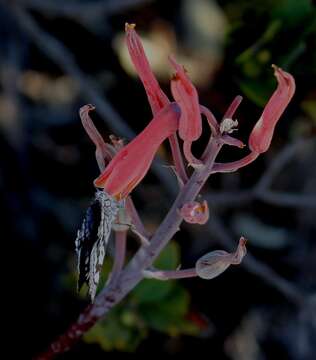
<point>92,240</point>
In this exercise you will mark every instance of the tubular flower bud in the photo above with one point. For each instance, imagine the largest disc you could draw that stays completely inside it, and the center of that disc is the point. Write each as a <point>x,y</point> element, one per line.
<point>190,125</point>
<point>156,96</point>
<point>185,94</point>
<point>195,213</point>
<point>216,262</point>
<point>261,135</point>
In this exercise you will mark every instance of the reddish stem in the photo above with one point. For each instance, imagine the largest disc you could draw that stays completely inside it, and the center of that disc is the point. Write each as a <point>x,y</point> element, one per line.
<point>135,219</point>
<point>119,257</point>
<point>235,165</point>
<point>177,158</point>
<point>169,274</point>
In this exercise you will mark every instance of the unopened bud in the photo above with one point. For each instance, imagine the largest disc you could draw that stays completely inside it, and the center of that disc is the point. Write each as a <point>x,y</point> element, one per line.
<point>216,262</point>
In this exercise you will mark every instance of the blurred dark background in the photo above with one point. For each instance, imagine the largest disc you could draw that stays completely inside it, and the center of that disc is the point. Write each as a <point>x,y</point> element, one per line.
<point>57,56</point>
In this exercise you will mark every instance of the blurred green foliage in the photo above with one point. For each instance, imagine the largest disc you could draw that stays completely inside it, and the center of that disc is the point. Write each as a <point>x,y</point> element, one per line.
<point>153,305</point>
<point>288,26</point>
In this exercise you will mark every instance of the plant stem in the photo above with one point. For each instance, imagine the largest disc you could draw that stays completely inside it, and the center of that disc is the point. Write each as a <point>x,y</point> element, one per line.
<point>177,158</point>
<point>135,219</point>
<point>169,274</point>
<point>235,165</point>
<point>119,256</point>
<point>232,107</point>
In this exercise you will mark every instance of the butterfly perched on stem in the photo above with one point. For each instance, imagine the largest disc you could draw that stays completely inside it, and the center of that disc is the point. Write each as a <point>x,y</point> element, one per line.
<point>92,239</point>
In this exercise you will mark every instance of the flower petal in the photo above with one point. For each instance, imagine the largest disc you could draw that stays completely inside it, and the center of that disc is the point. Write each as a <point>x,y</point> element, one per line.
<point>156,97</point>
<point>132,162</point>
<point>185,94</point>
<point>261,135</point>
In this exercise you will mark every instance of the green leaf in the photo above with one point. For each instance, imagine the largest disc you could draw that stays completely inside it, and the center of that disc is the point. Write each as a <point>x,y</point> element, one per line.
<point>151,291</point>
<point>154,304</point>
<point>292,11</point>
<point>309,106</point>
<point>168,315</point>
<point>268,35</point>
<point>115,333</point>
<point>256,91</point>
<point>169,258</point>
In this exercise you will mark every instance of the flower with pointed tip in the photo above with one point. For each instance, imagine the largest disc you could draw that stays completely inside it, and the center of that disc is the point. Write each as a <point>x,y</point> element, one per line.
<point>261,135</point>
<point>186,96</point>
<point>156,97</point>
<point>131,163</point>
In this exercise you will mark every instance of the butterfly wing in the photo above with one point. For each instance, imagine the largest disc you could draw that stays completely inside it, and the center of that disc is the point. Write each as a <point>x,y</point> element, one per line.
<point>92,240</point>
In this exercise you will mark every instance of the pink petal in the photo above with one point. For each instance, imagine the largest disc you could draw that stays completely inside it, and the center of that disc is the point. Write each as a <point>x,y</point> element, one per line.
<point>132,162</point>
<point>156,96</point>
<point>261,135</point>
<point>185,94</point>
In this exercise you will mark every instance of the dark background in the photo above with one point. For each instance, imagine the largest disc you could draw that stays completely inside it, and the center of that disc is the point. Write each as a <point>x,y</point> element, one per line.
<point>57,56</point>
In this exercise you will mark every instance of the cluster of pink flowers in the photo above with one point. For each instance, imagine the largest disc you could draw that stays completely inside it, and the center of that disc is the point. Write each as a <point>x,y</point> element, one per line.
<point>183,117</point>
<point>126,167</point>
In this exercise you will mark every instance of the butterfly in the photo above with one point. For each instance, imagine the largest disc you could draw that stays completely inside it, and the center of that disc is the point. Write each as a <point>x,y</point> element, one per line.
<point>92,239</point>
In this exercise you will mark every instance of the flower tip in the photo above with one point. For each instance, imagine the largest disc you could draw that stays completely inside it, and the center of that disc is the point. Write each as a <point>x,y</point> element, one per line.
<point>275,67</point>
<point>129,27</point>
<point>178,68</point>
<point>242,244</point>
<point>243,241</point>
<point>262,133</point>
<point>87,107</point>
<point>98,182</point>
<point>241,250</point>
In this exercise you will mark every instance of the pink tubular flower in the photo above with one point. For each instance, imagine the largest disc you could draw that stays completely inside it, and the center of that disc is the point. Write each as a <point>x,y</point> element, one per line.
<point>185,94</point>
<point>132,162</point>
<point>261,135</point>
<point>156,97</point>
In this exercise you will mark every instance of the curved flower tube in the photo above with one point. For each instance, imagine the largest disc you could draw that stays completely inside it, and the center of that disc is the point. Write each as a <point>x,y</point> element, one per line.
<point>156,97</point>
<point>132,162</point>
<point>261,135</point>
<point>216,262</point>
<point>185,94</point>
